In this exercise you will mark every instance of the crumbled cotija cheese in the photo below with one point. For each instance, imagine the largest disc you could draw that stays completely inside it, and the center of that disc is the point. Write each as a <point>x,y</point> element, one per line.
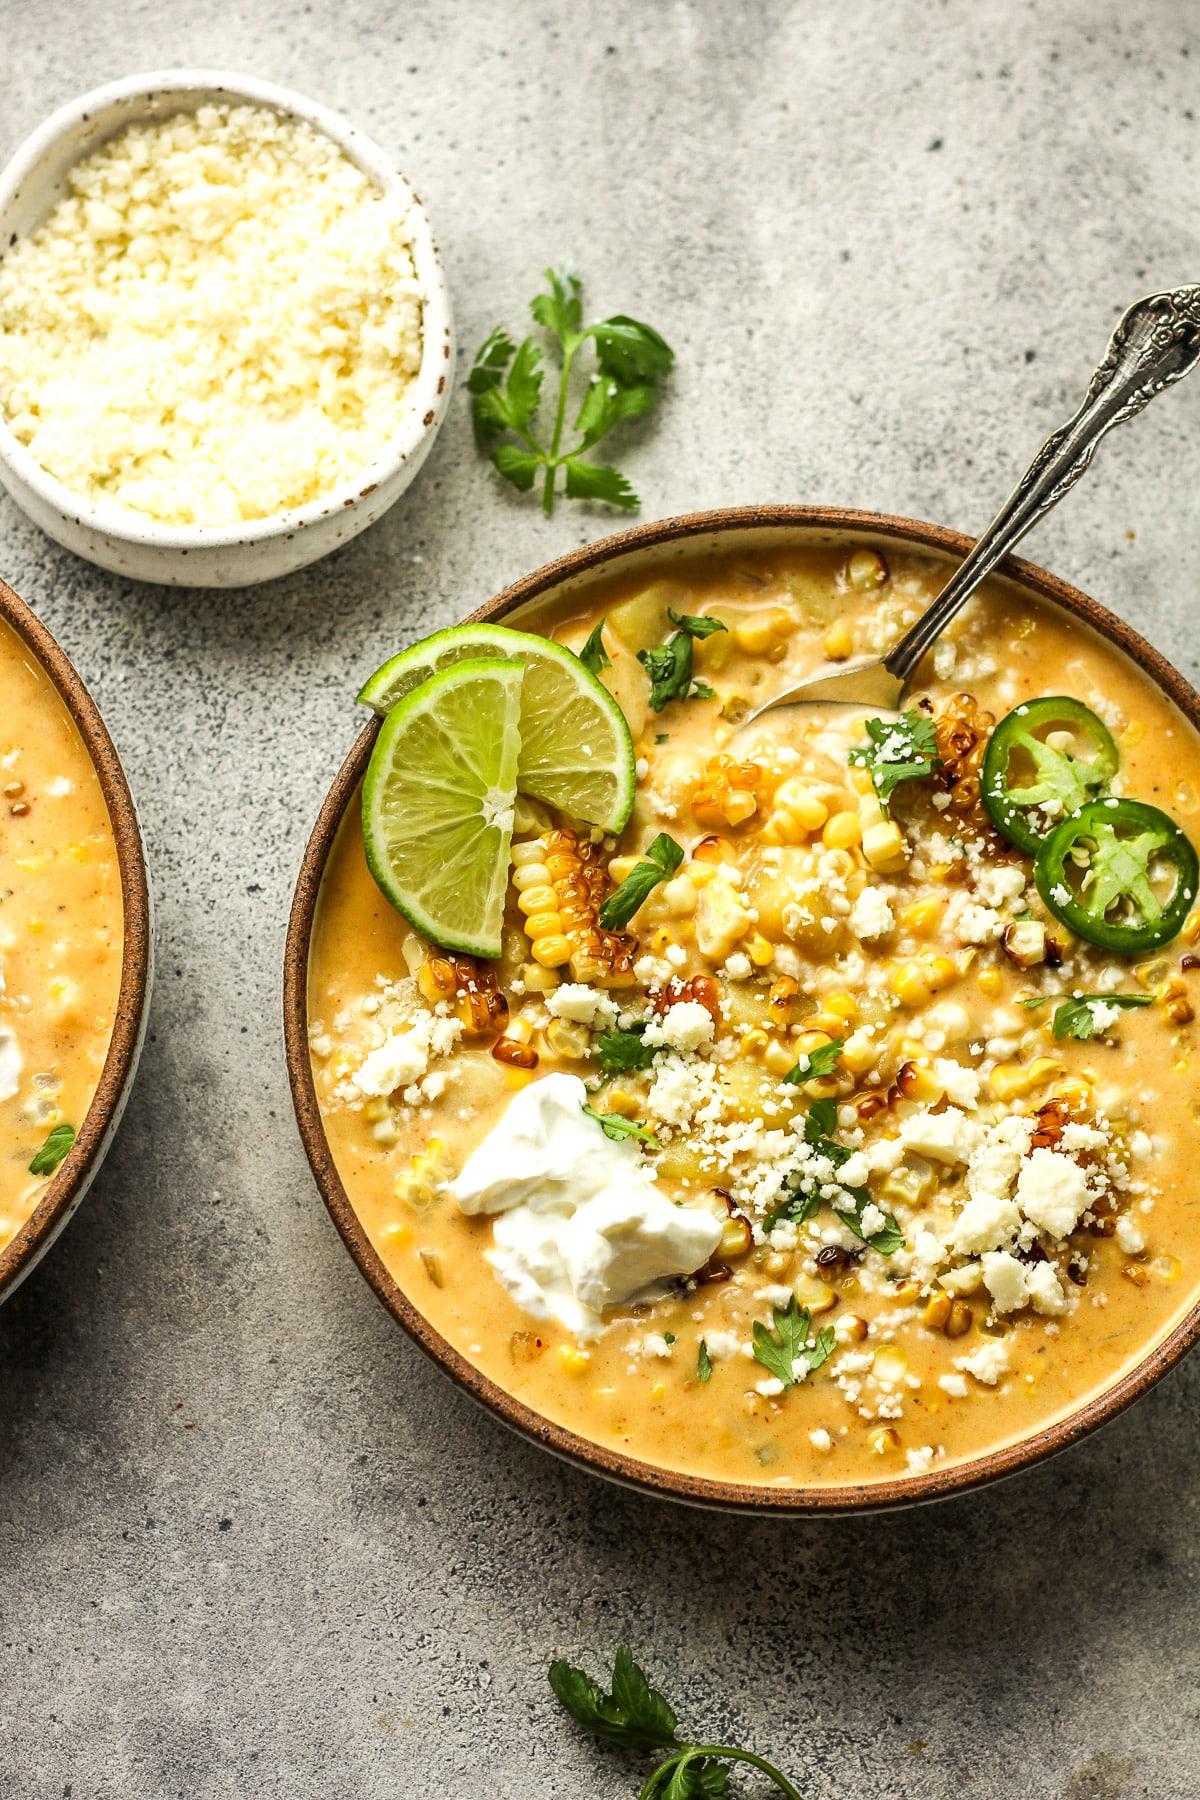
<point>220,321</point>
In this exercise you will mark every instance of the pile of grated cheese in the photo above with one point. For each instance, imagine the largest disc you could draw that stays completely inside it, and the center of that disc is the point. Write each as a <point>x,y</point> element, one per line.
<point>219,322</point>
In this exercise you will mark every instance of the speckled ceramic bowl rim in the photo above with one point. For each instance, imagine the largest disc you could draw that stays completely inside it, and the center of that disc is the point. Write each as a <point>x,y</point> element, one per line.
<point>630,1471</point>
<point>430,395</point>
<point>73,1176</point>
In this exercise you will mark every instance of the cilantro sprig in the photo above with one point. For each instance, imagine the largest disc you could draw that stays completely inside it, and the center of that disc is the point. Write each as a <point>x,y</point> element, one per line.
<point>616,1127</point>
<point>903,749</point>
<point>791,1345</point>
<point>505,385</point>
<point>1076,1017</point>
<point>659,863</point>
<point>619,1052</point>
<point>804,1198</point>
<point>814,1065</point>
<point>669,665</point>
<point>639,1719</point>
<point>52,1151</point>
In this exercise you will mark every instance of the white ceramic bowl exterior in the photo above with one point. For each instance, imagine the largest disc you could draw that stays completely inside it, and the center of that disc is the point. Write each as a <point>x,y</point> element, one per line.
<point>227,555</point>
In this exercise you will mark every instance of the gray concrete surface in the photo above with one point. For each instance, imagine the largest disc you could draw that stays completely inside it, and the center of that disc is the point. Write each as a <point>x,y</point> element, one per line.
<point>251,1544</point>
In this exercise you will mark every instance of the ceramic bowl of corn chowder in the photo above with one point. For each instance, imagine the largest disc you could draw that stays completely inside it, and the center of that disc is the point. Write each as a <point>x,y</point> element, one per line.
<point>75,940</point>
<point>897,1123</point>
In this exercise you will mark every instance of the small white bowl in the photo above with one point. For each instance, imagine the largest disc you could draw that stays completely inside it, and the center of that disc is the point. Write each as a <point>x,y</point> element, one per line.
<point>257,549</point>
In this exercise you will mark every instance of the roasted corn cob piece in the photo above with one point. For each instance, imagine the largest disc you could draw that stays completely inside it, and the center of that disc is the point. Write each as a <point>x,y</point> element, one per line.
<point>470,984</point>
<point>561,884</point>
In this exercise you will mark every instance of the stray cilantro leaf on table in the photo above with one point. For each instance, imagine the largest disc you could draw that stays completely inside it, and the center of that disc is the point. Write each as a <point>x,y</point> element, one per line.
<point>780,1350</point>
<point>505,385</point>
<point>637,1718</point>
<point>53,1150</point>
<point>669,665</point>
<point>620,1051</point>
<point>658,863</point>
<point>903,749</point>
<point>1077,1016</point>
<point>616,1126</point>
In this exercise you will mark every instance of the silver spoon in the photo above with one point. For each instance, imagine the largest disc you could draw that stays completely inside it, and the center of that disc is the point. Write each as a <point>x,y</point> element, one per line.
<point>1156,343</point>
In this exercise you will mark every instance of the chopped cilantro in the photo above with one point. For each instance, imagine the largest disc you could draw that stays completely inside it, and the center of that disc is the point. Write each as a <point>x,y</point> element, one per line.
<point>659,863</point>
<point>1078,1017</point>
<point>615,1126</point>
<point>55,1147</point>
<point>814,1065</point>
<point>617,1052</point>
<point>594,656</point>
<point>903,749</point>
<point>781,1350</point>
<point>669,666</point>
<point>703,1363</point>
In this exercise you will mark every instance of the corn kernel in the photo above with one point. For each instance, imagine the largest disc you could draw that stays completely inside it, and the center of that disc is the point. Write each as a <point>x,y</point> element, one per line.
<point>910,986</point>
<point>537,899</point>
<point>538,980</point>
<point>678,896</point>
<point>923,916</point>
<point>523,854</point>
<point>1191,928</point>
<point>990,983</point>
<point>567,1039</point>
<point>552,952</point>
<point>753,1041</point>
<point>544,925</point>
<point>884,847</point>
<point>960,1321</point>
<point>755,636</point>
<point>937,1311</point>
<point>884,1440</point>
<point>861,1052</point>
<point>759,950</point>
<point>842,832</point>
<point>796,797</point>
<point>839,641</point>
<point>815,1294</point>
<point>865,570</point>
<point>1008,1081</point>
<point>574,1360</point>
<point>778,1058</point>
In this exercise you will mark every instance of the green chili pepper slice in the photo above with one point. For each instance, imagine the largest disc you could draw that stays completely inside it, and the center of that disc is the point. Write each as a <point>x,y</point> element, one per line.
<point>1029,786</point>
<point>1120,874</point>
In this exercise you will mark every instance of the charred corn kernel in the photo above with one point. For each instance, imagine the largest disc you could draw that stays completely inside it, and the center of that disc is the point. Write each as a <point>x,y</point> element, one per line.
<point>884,847</point>
<point>552,952</point>
<point>783,993</point>
<point>842,831</point>
<point>884,1440</point>
<point>923,916</point>
<point>539,899</point>
<point>839,641</point>
<point>514,1053</point>
<point>866,570</point>
<point>990,983</point>
<point>736,1237</point>
<point>861,1052</point>
<point>778,1058</point>
<point>538,980</point>
<point>523,854</point>
<point>532,875</point>
<point>574,1360</point>
<point>1136,1273</point>
<point>567,1039</point>
<point>921,1084</point>
<point>1024,942</point>
<point>815,1294</point>
<point>713,851</point>
<point>759,950</point>
<point>796,797</point>
<point>960,1321</point>
<point>850,1328</point>
<point>937,1311</point>
<point>1008,1081</point>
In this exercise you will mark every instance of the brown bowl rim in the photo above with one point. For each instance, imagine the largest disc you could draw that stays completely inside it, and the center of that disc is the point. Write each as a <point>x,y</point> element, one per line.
<point>71,1179</point>
<point>630,1471</point>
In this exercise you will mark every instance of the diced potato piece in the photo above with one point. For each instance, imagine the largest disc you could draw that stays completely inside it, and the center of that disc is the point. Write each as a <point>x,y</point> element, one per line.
<point>750,1087</point>
<point>641,621</point>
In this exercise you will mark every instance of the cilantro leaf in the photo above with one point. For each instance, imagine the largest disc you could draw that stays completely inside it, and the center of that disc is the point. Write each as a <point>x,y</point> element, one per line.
<point>592,481</point>
<point>615,1126</point>
<point>620,1051</point>
<point>594,656</point>
<point>55,1147</point>
<point>703,1363</point>
<point>780,1350</point>
<point>820,1123</point>
<point>516,465</point>
<point>814,1065</point>
<point>659,863</point>
<point>803,1198</point>
<point>634,1715</point>
<point>631,361</point>
<point>669,665</point>
<point>887,1239</point>
<point>1077,1017</point>
<point>561,310</point>
<point>903,749</point>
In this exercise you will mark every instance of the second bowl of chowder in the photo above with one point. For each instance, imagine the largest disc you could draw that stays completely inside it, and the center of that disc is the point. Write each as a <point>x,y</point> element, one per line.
<point>983,1222</point>
<point>75,947</point>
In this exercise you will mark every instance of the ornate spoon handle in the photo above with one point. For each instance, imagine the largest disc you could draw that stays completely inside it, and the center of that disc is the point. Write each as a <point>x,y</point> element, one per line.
<point>1156,344</point>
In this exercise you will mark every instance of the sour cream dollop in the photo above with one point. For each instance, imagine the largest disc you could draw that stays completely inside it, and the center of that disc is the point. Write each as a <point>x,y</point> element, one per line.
<point>580,1225</point>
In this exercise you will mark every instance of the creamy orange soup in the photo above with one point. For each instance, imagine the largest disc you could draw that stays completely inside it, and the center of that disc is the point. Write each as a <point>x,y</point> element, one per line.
<point>60,931</point>
<point>1040,1184</point>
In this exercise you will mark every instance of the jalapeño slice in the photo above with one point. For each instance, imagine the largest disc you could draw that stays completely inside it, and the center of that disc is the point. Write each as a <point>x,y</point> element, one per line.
<point>1120,874</point>
<point>1029,784</point>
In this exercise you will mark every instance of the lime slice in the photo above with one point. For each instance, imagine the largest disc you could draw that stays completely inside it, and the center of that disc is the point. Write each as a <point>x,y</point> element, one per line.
<point>437,803</point>
<point>576,751</point>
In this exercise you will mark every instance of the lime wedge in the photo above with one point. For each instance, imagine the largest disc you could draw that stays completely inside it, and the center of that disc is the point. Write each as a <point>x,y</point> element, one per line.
<point>576,751</point>
<point>437,803</point>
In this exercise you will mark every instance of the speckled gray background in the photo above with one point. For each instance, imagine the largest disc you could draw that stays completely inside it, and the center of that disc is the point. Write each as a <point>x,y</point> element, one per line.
<point>250,1543</point>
